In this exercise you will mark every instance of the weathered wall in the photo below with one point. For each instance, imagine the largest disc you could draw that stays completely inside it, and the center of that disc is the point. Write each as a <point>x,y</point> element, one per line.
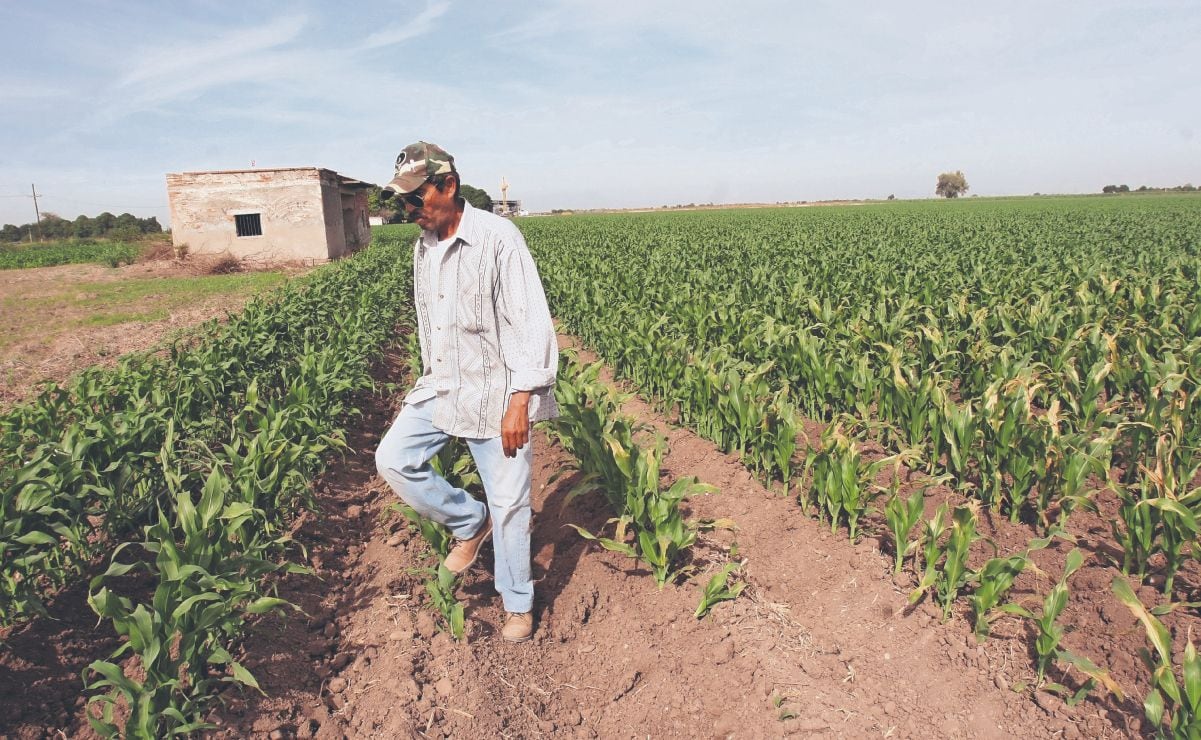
<point>358,229</point>
<point>335,233</point>
<point>290,204</point>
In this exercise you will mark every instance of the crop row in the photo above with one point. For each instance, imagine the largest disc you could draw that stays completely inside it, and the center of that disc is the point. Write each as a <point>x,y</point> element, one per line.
<point>187,466</point>
<point>1034,356</point>
<point>1022,353</point>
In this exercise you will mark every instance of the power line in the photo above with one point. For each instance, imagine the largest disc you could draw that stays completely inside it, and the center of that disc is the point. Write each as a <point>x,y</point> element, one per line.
<point>94,203</point>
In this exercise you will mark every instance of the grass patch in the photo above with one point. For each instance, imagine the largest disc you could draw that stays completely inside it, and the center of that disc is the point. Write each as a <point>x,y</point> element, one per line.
<point>62,308</point>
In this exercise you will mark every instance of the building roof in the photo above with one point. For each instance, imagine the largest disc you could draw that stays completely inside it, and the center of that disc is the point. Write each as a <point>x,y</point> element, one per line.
<point>349,182</point>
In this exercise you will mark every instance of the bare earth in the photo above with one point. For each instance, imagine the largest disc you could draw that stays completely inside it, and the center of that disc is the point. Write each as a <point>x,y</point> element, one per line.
<point>822,643</point>
<point>56,353</point>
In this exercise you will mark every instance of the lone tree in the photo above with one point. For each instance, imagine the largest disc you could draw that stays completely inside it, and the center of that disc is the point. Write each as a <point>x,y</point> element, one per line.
<point>477,197</point>
<point>951,184</point>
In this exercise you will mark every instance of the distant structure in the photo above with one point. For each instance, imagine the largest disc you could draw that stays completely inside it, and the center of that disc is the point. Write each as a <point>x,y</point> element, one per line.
<point>306,214</point>
<point>504,206</point>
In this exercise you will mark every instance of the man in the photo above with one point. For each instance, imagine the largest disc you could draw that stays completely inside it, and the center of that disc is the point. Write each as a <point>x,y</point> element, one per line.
<point>489,356</point>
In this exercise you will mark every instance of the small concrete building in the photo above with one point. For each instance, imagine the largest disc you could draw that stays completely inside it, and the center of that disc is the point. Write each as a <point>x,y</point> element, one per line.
<point>303,214</point>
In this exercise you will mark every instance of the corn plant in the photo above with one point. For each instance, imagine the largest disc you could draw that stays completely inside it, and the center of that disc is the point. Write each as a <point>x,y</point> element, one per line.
<point>651,514</point>
<point>626,471</point>
<point>953,575</point>
<point>993,581</point>
<point>1174,699</point>
<point>841,481</point>
<point>719,589</point>
<point>210,581</point>
<point>932,552</point>
<point>1050,634</point>
<point>902,516</point>
<point>440,584</point>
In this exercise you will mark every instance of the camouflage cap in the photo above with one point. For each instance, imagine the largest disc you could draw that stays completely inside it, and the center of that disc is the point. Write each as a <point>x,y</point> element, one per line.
<point>418,162</point>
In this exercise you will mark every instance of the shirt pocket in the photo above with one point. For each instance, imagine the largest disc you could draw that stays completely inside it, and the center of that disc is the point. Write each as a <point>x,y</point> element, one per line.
<point>469,312</point>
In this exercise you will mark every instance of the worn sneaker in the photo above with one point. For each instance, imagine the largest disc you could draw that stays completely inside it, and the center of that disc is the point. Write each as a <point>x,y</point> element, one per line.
<point>464,552</point>
<point>518,627</point>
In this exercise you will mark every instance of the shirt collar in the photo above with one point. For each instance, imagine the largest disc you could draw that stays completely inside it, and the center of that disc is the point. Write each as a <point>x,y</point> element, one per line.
<point>465,231</point>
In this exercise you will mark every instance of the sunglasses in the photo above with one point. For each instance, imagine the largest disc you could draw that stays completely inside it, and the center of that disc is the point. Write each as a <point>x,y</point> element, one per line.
<point>413,200</point>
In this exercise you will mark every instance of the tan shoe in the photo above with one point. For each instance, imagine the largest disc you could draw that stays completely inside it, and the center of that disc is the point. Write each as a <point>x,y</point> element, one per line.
<point>518,627</point>
<point>464,552</point>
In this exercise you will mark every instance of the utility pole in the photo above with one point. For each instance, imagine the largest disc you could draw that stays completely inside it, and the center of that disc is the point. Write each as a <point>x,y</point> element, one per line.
<point>37,213</point>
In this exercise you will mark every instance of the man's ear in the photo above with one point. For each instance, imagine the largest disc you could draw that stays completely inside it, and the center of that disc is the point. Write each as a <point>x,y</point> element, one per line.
<point>446,186</point>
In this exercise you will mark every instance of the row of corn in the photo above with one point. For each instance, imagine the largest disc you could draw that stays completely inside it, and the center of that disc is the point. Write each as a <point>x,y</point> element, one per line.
<point>621,459</point>
<point>1038,358</point>
<point>184,470</point>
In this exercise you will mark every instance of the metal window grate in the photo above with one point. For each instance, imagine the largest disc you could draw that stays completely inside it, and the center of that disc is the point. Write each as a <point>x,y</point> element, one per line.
<point>249,224</point>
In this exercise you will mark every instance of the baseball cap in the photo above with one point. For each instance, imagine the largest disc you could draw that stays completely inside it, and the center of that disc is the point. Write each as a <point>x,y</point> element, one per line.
<point>418,162</point>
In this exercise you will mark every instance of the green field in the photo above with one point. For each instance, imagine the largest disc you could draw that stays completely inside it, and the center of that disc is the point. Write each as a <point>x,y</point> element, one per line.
<point>1017,346</point>
<point>1038,356</point>
<point>18,255</point>
<point>186,467</point>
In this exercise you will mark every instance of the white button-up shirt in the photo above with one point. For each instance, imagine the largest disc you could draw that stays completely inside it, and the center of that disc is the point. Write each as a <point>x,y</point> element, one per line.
<point>483,324</point>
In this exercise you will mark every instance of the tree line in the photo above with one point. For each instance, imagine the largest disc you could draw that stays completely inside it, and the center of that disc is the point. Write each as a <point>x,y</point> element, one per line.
<point>105,226</point>
<point>1188,187</point>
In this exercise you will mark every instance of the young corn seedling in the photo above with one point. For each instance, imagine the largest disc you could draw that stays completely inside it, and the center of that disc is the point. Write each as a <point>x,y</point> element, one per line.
<point>440,584</point>
<point>902,516</point>
<point>1050,634</point>
<point>842,481</point>
<point>954,574</point>
<point>932,551</point>
<point>959,436</point>
<point>993,581</point>
<point>719,589</point>
<point>1074,458</point>
<point>1171,701</point>
<point>627,472</point>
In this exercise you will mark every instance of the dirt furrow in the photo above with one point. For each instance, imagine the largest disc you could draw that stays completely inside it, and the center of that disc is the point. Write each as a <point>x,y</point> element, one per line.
<point>821,643</point>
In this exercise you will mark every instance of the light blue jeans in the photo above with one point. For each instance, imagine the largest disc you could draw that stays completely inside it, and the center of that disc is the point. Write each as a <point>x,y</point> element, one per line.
<point>403,460</point>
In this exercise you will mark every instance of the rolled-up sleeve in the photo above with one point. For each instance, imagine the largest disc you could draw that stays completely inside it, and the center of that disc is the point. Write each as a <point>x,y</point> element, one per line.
<point>527,336</point>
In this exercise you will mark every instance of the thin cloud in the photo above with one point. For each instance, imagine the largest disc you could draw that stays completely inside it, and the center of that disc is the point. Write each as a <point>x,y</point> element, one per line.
<point>419,26</point>
<point>11,90</point>
<point>176,60</point>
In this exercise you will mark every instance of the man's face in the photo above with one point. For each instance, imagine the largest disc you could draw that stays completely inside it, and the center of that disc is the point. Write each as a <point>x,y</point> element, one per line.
<point>437,210</point>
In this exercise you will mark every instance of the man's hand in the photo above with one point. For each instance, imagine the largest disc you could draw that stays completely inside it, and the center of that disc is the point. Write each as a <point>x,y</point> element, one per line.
<point>515,425</point>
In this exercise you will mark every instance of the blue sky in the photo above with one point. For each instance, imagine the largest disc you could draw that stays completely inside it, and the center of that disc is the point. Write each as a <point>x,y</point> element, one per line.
<point>600,103</point>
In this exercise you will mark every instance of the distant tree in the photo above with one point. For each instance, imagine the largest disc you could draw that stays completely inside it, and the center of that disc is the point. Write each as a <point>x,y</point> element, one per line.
<point>892,197</point>
<point>374,202</point>
<point>476,197</point>
<point>951,184</point>
<point>84,227</point>
<point>53,226</point>
<point>1109,189</point>
<point>1123,188</point>
<point>10,233</point>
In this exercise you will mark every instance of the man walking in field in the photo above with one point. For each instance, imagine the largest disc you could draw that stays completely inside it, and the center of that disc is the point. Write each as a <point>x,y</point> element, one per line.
<point>489,356</point>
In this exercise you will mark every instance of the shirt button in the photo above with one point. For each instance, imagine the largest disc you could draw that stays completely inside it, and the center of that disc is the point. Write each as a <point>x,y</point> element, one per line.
<point>441,295</point>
